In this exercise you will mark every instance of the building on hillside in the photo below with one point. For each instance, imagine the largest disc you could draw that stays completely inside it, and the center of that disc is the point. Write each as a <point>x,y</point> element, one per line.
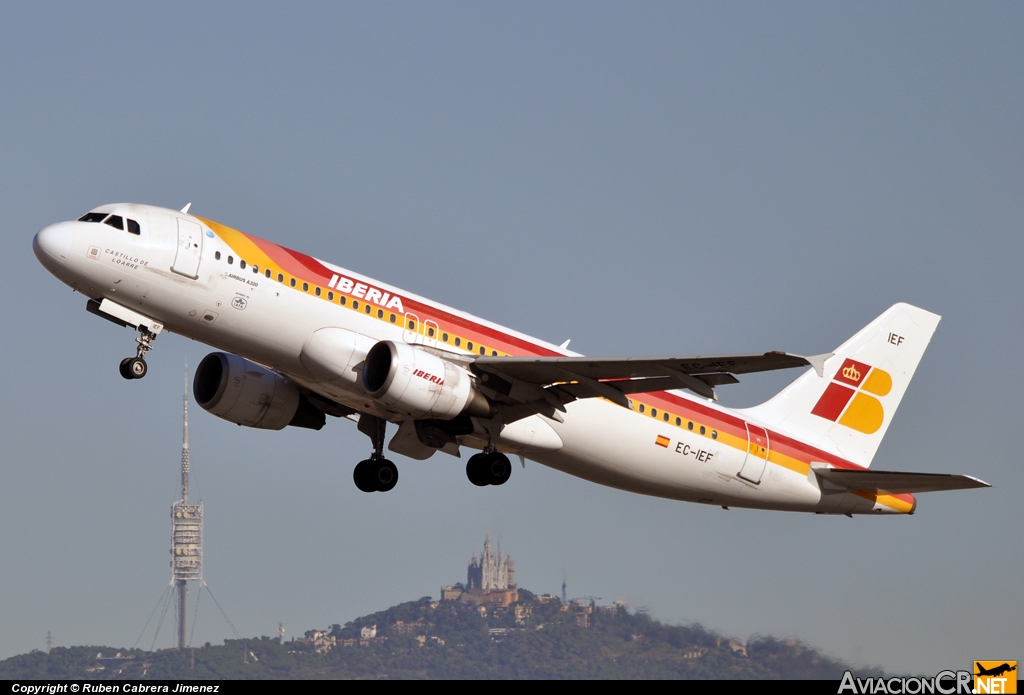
<point>492,572</point>
<point>490,580</point>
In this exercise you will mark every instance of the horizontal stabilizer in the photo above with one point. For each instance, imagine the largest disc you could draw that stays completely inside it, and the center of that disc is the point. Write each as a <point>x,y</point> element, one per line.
<point>895,482</point>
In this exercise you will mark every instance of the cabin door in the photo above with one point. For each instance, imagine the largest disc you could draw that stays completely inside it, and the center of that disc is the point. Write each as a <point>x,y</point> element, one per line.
<point>190,249</point>
<point>757,454</point>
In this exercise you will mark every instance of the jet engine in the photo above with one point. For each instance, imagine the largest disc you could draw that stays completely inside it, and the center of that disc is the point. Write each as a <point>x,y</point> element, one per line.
<point>245,393</point>
<point>420,384</point>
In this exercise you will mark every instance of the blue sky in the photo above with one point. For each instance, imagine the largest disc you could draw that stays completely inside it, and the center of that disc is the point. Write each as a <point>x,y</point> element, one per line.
<point>656,179</point>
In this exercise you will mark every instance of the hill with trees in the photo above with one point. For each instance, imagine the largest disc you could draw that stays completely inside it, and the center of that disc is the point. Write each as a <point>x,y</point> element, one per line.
<point>537,637</point>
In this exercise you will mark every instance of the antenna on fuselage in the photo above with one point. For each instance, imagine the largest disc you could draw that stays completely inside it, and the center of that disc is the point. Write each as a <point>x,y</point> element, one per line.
<point>187,206</point>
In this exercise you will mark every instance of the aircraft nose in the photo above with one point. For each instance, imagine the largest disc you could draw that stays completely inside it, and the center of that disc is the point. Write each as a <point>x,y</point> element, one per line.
<point>53,243</point>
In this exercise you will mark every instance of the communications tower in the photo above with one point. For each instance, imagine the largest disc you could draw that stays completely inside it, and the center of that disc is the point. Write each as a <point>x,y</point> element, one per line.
<point>186,534</point>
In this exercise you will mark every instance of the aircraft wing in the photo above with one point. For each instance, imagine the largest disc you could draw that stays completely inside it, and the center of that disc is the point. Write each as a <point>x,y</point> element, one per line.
<point>896,482</point>
<point>562,379</point>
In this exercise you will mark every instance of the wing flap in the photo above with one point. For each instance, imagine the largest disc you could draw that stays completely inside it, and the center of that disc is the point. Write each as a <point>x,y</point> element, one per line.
<point>547,370</point>
<point>604,376</point>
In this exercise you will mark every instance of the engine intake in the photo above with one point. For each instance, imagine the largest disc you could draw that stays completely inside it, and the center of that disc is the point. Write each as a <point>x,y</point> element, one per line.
<point>421,384</point>
<point>240,391</point>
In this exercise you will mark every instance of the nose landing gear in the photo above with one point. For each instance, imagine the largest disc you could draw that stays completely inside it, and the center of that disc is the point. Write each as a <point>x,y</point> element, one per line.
<point>488,468</point>
<point>375,474</point>
<point>136,367</point>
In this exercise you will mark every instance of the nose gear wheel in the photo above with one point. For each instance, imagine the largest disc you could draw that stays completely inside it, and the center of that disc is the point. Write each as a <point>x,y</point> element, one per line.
<point>136,367</point>
<point>133,368</point>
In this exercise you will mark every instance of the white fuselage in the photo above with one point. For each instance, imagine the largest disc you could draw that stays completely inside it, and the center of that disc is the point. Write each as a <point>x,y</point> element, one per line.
<point>649,448</point>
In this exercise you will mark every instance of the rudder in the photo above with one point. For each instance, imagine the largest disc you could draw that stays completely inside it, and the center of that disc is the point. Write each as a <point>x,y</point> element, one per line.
<point>848,410</point>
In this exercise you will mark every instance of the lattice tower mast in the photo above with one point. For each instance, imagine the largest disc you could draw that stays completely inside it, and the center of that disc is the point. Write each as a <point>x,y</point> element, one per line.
<point>186,532</point>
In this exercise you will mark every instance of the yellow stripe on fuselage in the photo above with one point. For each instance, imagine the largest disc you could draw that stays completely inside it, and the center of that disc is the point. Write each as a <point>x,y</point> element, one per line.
<point>241,244</point>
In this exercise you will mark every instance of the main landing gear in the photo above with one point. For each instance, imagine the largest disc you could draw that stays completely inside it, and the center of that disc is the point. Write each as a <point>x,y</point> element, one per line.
<point>375,474</point>
<point>136,367</point>
<point>488,468</point>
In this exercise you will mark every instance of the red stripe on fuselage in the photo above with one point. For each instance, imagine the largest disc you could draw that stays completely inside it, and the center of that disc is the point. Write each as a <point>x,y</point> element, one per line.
<point>311,270</point>
<point>736,426</point>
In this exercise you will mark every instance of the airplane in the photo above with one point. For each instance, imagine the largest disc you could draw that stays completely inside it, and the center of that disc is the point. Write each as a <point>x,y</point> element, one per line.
<point>301,339</point>
<point>995,670</point>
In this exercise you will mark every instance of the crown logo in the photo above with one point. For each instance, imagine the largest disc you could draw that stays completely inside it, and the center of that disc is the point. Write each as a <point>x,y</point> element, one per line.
<point>851,373</point>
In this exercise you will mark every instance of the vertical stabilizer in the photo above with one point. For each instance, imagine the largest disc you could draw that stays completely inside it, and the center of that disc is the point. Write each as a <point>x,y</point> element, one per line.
<point>848,409</point>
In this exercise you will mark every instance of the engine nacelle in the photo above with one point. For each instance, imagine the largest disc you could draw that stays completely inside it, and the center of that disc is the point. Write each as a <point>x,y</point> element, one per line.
<point>420,384</point>
<point>245,393</point>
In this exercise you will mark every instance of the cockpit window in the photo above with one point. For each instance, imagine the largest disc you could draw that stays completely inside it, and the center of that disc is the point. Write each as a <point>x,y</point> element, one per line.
<point>93,217</point>
<point>115,221</point>
<point>133,227</point>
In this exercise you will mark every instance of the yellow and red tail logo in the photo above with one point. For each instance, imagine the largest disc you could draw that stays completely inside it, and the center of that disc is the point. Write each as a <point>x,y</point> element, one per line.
<point>846,399</point>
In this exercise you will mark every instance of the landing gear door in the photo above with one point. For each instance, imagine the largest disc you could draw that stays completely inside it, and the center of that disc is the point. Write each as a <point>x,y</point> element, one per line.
<point>190,249</point>
<point>757,454</point>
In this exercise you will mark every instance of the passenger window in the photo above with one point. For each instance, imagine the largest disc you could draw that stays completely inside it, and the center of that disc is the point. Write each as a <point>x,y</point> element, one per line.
<point>305,287</point>
<point>679,421</point>
<point>654,412</point>
<point>641,407</point>
<point>267,272</point>
<point>343,300</point>
<point>444,337</point>
<point>412,325</point>
<point>367,308</point>
<point>689,426</point>
<point>665,418</point>
<point>93,217</point>
<point>330,296</point>
<point>430,332</point>
<point>317,291</point>
<point>702,430</point>
<point>231,260</point>
<point>216,255</point>
<point>380,313</point>
<point>469,346</point>
<point>292,283</point>
<point>458,342</point>
<point>280,277</point>
<point>241,264</point>
<point>355,303</point>
<point>714,434</point>
<point>483,350</point>
<point>134,228</point>
<point>255,270</point>
<point>115,221</point>
<point>393,318</point>
<point>494,353</point>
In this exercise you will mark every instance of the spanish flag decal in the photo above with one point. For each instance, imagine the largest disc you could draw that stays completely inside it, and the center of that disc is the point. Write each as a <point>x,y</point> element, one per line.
<point>662,441</point>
